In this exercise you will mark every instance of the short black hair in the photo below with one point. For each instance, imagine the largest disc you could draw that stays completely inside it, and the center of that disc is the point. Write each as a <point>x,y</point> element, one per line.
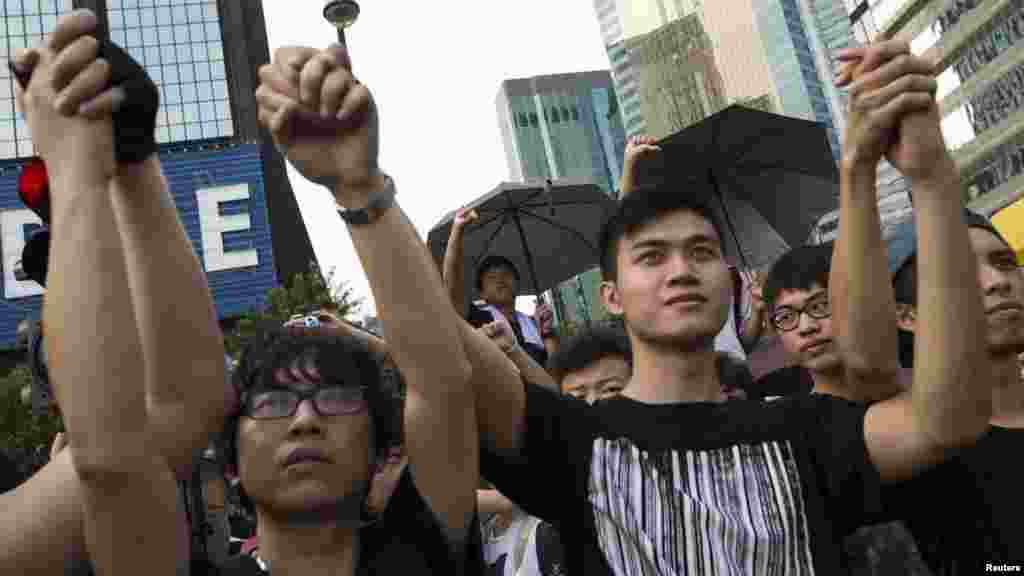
<point>491,262</point>
<point>799,269</point>
<point>336,357</point>
<point>639,208</point>
<point>589,346</point>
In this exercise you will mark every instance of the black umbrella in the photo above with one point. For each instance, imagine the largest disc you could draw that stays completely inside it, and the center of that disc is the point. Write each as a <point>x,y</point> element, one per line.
<point>770,177</point>
<point>549,230</point>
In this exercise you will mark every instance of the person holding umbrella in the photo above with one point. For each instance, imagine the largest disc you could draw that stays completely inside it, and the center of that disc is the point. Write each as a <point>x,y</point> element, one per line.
<point>497,282</point>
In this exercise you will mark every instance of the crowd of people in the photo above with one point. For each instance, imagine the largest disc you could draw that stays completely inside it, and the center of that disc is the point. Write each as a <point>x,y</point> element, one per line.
<point>472,439</point>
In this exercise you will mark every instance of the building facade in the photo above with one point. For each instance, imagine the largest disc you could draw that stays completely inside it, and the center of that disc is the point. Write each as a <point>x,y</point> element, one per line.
<point>690,58</point>
<point>229,184</point>
<point>565,126</point>
<point>979,46</point>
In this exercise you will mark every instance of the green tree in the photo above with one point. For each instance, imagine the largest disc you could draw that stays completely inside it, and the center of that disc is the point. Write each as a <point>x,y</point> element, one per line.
<point>23,436</point>
<point>304,292</point>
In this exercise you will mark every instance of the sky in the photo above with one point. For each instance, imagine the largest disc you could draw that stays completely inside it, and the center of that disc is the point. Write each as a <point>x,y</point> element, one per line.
<point>434,69</point>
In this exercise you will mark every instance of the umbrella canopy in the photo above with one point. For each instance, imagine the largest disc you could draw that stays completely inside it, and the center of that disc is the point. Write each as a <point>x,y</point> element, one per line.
<point>549,230</point>
<point>769,177</point>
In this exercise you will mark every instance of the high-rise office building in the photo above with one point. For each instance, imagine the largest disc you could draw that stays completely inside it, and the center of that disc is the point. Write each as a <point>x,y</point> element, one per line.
<point>565,126</point>
<point>689,58</point>
<point>229,183</point>
<point>562,126</point>
<point>978,46</point>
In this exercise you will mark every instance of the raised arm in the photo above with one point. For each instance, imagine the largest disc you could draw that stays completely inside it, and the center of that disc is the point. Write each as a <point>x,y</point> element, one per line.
<point>860,292</point>
<point>637,148</point>
<point>950,403</point>
<point>181,342</point>
<point>753,325</point>
<point>92,341</point>
<point>501,334</point>
<point>418,317</point>
<point>453,260</point>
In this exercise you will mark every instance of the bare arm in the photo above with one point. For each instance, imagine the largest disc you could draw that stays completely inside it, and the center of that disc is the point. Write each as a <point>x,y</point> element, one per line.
<point>177,325</point>
<point>951,400</point>
<point>42,530</point>
<point>453,261</point>
<point>860,292</point>
<point>421,327</point>
<point>500,333</point>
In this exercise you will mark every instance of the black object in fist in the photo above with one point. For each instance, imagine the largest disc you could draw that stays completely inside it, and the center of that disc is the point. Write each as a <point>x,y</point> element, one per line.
<point>135,120</point>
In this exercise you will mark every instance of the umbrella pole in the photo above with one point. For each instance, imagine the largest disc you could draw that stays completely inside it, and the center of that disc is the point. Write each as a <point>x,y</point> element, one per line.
<point>728,220</point>
<point>527,253</point>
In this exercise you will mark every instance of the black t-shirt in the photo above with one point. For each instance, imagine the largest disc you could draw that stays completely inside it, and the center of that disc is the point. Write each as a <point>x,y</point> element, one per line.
<point>477,317</point>
<point>742,487</point>
<point>969,511</point>
<point>407,540</point>
<point>783,382</point>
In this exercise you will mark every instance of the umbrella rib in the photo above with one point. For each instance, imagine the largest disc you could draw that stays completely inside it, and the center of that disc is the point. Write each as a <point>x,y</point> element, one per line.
<point>560,226</point>
<point>563,203</point>
<point>766,167</point>
<point>526,247</point>
<point>490,240</point>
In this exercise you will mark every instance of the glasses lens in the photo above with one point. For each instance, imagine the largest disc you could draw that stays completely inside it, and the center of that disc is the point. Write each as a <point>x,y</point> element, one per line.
<point>339,400</point>
<point>272,404</point>
<point>785,320</point>
<point>819,309</point>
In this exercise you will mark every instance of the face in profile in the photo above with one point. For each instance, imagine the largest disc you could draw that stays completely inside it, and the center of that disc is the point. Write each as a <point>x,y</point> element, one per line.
<point>599,380</point>
<point>305,445</point>
<point>1002,288</point>
<point>498,285</point>
<point>673,283</point>
<point>803,320</point>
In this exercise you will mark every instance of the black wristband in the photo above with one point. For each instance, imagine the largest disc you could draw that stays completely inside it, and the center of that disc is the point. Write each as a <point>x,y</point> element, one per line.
<point>135,120</point>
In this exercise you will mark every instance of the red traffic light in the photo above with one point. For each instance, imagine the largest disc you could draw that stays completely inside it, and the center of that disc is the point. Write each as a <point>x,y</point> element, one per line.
<point>34,188</point>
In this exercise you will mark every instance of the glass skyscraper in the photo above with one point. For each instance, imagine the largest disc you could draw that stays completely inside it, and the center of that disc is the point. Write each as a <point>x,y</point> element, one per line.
<point>565,126</point>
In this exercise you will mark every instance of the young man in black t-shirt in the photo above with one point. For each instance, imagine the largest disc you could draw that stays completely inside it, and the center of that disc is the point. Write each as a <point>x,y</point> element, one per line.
<point>796,292</point>
<point>305,468</point>
<point>325,122</point>
<point>980,487</point>
<point>667,478</point>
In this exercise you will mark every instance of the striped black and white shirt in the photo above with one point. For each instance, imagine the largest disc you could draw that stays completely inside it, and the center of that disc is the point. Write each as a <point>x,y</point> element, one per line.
<point>744,487</point>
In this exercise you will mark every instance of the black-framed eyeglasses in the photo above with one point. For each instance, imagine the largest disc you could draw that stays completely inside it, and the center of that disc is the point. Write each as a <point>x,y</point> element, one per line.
<point>277,403</point>
<point>788,317</point>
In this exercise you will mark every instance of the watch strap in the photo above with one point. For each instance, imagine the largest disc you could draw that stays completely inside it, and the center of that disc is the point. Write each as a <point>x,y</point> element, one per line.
<point>378,204</point>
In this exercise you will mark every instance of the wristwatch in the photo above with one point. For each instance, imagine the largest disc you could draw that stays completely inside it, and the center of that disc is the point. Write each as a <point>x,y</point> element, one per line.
<point>375,208</point>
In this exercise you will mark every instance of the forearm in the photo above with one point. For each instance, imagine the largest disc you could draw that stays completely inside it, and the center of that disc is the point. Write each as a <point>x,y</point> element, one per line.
<point>420,322</point>
<point>453,271</point>
<point>181,341</point>
<point>627,185</point>
<point>530,370</point>
<point>861,294</point>
<point>42,528</point>
<point>498,391</point>
<point>551,345</point>
<point>95,360</point>
<point>951,390</point>
<point>112,528</point>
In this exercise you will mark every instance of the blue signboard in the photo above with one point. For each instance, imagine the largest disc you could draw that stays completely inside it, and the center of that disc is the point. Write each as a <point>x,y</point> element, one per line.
<point>221,201</point>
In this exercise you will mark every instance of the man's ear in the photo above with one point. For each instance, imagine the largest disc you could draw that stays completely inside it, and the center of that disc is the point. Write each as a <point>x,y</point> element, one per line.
<point>611,297</point>
<point>906,317</point>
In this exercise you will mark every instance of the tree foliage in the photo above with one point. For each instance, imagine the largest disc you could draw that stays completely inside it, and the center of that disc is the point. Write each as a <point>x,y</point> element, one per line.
<point>25,437</point>
<point>304,292</point>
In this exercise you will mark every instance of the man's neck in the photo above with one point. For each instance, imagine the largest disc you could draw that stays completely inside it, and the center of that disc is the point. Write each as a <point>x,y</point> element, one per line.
<point>669,375</point>
<point>307,549</point>
<point>1007,392</point>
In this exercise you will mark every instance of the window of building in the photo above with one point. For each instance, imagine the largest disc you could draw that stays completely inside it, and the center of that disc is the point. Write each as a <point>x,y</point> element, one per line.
<point>533,119</point>
<point>555,117</point>
<point>575,114</point>
<point>179,43</point>
<point>565,114</point>
<point>24,23</point>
